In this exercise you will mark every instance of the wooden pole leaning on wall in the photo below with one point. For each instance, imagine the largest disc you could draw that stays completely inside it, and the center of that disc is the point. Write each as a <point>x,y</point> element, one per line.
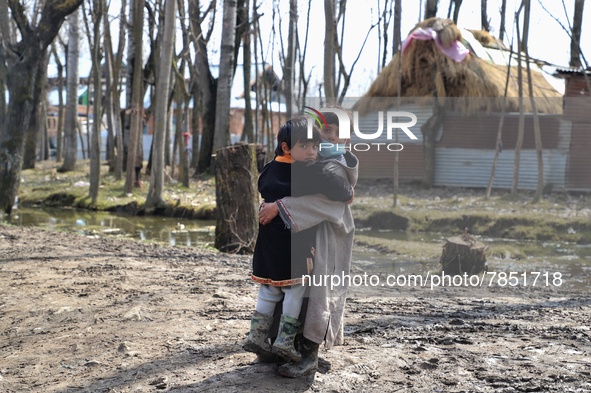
<point>237,199</point>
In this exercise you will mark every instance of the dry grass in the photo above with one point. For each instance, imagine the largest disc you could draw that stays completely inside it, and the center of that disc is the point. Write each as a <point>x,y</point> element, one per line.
<point>44,185</point>
<point>424,71</point>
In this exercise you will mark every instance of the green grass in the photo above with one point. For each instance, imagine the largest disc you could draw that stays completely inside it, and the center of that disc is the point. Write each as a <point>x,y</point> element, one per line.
<point>45,186</point>
<point>416,249</point>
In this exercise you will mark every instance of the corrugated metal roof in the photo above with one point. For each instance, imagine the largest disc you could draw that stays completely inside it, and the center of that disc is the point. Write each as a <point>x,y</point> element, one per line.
<point>572,71</point>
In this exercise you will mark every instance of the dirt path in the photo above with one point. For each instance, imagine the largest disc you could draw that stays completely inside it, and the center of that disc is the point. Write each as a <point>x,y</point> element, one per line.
<point>80,314</point>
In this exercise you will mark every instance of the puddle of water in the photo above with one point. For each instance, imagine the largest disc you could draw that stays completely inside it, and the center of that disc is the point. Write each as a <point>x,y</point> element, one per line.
<point>166,230</point>
<point>544,261</point>
<point>571,261</point>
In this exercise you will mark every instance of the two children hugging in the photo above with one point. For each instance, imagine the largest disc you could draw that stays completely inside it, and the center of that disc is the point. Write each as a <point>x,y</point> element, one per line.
<point>282,258</point>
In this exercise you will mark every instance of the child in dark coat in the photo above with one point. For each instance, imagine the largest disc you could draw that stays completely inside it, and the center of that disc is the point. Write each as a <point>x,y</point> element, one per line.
<point>281,258</point>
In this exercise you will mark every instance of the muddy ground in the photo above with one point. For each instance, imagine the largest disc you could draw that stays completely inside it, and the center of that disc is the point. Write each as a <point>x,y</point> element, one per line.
<point>88,314</point>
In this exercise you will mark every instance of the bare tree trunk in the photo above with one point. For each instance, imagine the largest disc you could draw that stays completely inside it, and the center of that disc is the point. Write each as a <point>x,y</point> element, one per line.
<point>537,131</point>
<point>289,68</point>
<point>195,124</point>
<point>111,133</point>
<point>111,154</point>
<point>2,88</point>
<point>503,16</point>
<point>454,10</point>
<point>88,128</point>
<point>247,132</point>
<point>95,142</point>
<point>179,140</point>
<point>137,96</point>
<point>42,134</point>
<point>524,38</point>
<point>575,43</point>
<point>396,169</point>
<point>484,22</point>
<point>431,8</point>
<point>521,127</point>
<point>190,92</point>
<point>259,136</point>
<point>397,39</point>
<point>4,37</point>
<point>154,197</point>
<point>208,87</point>
<point>72,80</point>
<point>457,5</point>
<point>207,125</point>
<point>23,63</point>
<point>181,99</point>
<point>130,58</point>
<point>237,199</point>
<point>60,113</point>
<point>499,141</point>
<point>303,81</point>
<point>429,130</point>
<point>387,18</point>
<point>81,138</point>
<point>37,122</point>
<point>330,33</point>
<point>168,135</point>
<point>185,151</point>
<point>116,93</point>
<point>222,113</point>
<point>177,144</point>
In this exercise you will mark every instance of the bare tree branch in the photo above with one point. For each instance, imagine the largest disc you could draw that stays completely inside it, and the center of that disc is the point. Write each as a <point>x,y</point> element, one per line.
<point>567,31</point>
<point>18,14</point>
<point>346,75</point>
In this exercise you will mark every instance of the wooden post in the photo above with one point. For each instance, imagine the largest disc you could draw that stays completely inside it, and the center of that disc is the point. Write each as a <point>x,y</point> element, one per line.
<point>463,254</point>
<point>237,199</point>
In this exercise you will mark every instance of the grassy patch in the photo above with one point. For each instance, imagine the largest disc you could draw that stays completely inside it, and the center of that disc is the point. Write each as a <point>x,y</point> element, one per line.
<point>46,187</point>
<point>520,226</point>
<point>415,249</point>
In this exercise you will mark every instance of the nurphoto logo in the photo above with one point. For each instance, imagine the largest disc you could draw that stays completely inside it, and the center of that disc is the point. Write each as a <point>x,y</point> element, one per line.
<point>393,122</point>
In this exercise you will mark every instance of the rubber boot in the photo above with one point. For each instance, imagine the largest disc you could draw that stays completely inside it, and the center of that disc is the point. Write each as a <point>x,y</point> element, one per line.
<point>307,366</point>
<point>283,345</point>
<point>259,331</point>
<point>269,357</point>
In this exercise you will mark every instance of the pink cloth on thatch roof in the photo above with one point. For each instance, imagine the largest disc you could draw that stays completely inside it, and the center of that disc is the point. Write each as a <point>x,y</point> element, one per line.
<point>456,51</point>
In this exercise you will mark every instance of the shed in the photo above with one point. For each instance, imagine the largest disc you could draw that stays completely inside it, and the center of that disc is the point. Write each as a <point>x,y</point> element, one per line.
<point>458,79</point>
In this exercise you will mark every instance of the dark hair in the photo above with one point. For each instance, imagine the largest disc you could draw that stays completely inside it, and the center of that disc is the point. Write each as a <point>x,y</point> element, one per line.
<point>331,118</point>
<point>293,131</point>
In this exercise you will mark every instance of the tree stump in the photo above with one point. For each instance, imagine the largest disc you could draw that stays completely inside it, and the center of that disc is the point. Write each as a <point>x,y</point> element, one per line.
<point>463,254</point>
<point>237,199</point>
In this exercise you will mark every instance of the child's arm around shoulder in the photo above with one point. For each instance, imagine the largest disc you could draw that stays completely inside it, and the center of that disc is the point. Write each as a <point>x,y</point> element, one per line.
<point>320,178</point>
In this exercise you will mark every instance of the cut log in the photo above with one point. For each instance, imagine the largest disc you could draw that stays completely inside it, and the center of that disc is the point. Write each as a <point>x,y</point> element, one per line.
<point>237,199</point>
<point>463,254</point>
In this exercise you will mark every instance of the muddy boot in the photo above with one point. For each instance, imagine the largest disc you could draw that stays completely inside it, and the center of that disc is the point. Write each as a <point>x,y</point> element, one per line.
<point>308,365</point>
<point>283,345</point>
<point>269,357</point>
<point>259,331</point>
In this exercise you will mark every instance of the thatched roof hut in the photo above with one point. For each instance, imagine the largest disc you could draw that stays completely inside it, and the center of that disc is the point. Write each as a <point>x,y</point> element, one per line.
<point>476,84</point>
